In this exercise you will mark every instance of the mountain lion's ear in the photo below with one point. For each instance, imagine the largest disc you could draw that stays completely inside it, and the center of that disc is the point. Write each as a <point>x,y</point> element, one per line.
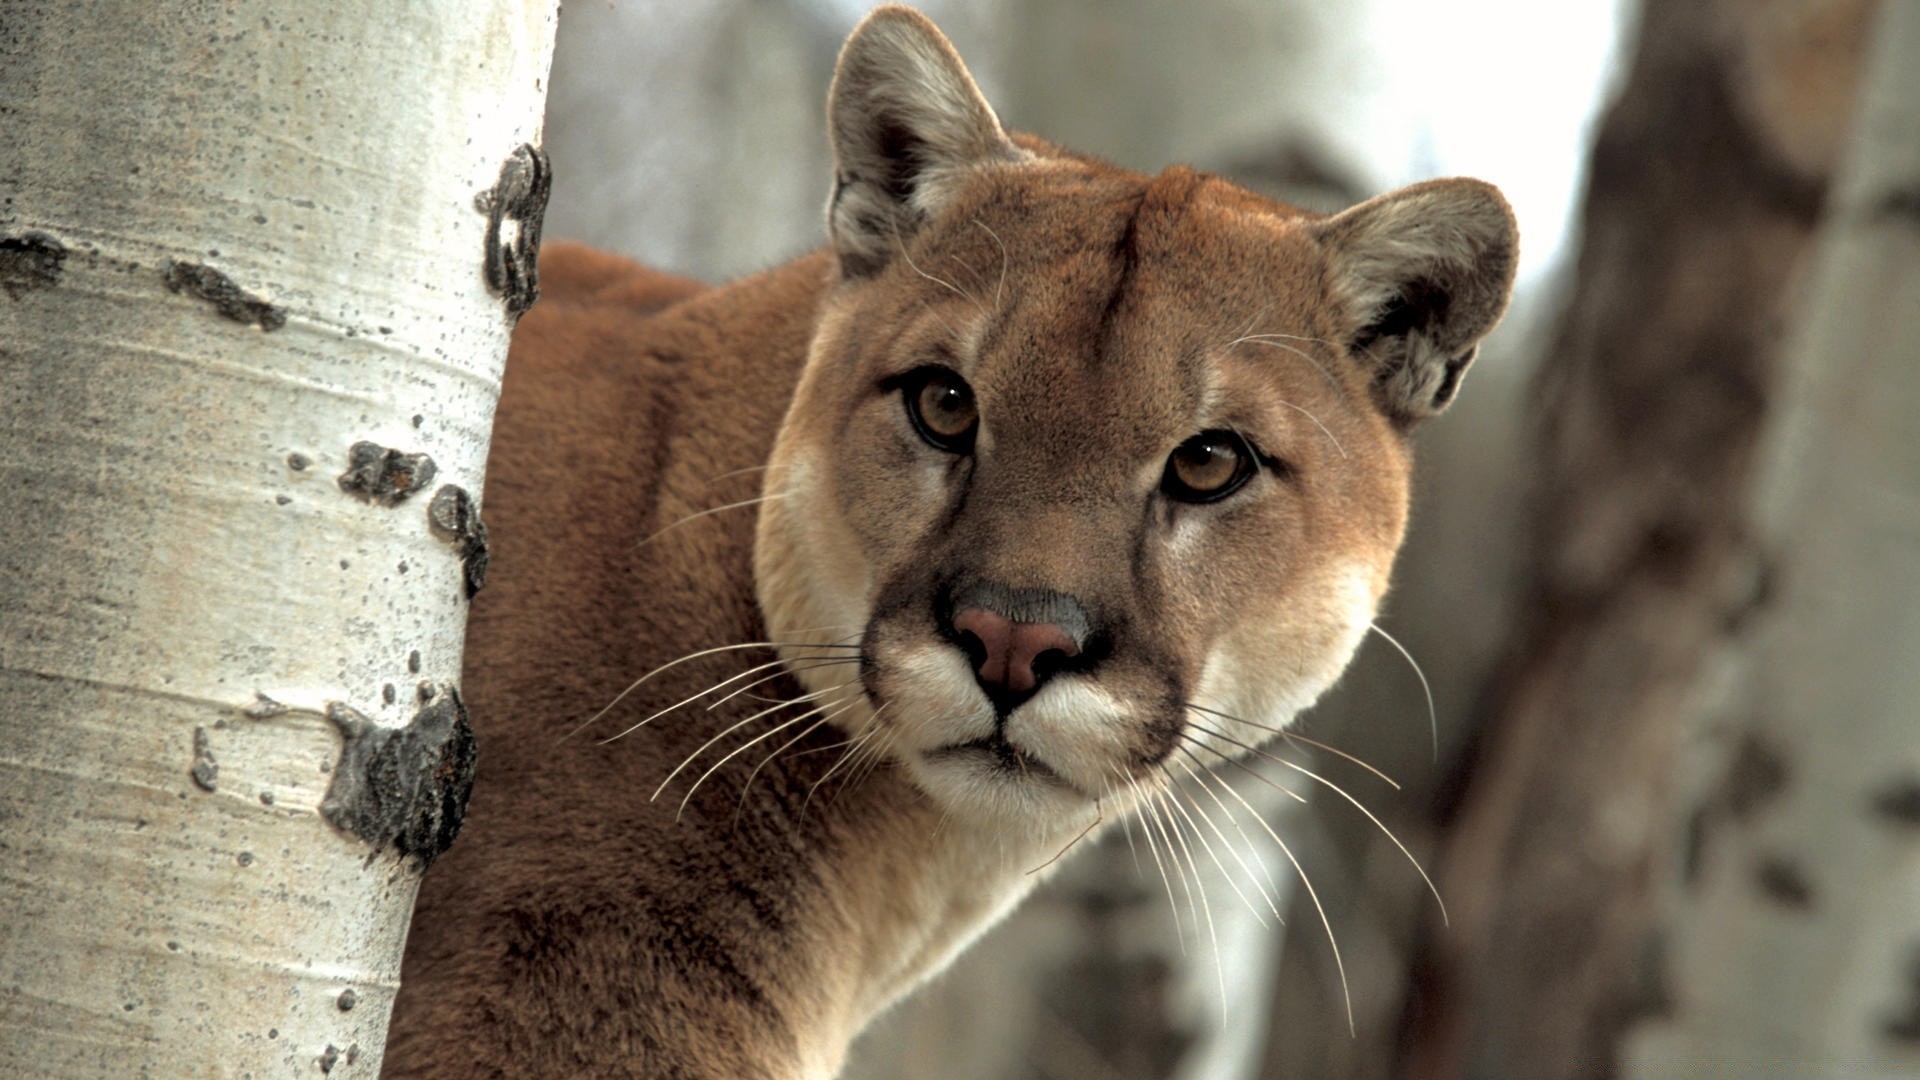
<point>1424,273</point>
<point>907,123</point>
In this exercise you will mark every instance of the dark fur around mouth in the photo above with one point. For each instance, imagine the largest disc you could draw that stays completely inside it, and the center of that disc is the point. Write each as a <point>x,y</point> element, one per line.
<point>1006,757</point>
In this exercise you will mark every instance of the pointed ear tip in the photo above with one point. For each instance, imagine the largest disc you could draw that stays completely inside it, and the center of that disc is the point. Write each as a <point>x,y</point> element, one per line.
<point>889,19</point>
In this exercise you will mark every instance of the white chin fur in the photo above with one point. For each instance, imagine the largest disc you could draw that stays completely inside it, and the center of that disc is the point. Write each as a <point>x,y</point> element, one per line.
<point>977,790</point>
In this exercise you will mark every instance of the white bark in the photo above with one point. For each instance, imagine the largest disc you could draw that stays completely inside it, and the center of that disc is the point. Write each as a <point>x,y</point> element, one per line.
<point>234,241</point>
<point>1796,943</point>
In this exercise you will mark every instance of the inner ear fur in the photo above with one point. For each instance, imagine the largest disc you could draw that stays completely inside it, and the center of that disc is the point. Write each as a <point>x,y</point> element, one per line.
<point>907,124</point>
<point>1423,273</point>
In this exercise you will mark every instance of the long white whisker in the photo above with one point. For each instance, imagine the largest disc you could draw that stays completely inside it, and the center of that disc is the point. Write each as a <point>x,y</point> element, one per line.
<point>708,512</point>
<point>689,759</point>
<point>781,749</point>
<point>1146,830</point>
<point>867,731</point>
<point>1357,805</point>
<point>735,752</point>
<point>1241,765</point>
<point>1295,737</point>
<point>817,662</point>
<point>825,712</point>
<point>1173,786</point>
<point>1206,908</point>
<point>1433,715</point>
<point>1233,820</point>
<point>635,684</point>
<point>692,698</point>
<point>1338,963</point>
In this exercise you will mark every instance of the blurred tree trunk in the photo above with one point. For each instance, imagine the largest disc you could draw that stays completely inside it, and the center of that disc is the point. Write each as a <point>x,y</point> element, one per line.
<point>258,268</point>
<point>1708,184</point>
<point>1797,932</point>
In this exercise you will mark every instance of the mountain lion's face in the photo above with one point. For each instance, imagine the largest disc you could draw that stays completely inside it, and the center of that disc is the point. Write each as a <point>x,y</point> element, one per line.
<point>1105,473</point>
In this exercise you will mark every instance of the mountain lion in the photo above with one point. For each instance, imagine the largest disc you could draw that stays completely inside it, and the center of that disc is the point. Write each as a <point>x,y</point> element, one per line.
<point>1070,481</point>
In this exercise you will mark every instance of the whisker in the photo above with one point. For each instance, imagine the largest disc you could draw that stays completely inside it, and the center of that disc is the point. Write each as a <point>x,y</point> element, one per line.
<point>818,663</point>
<point>1173,785</point>
<point>711,480</point>
<point>825,712</point>
<point>1338,963</point>
<point>1126,829</point>
<point>1099,815</point>
<point>1002,286</point>
<point>1146,830</point>
<point>867,731</point>
<point>736,751</point>
<point>1296,737</point>
<point>708,512</point>
<point>691,699</point>
<point>1268,339</point>
<point>689,759</point>
<point>875,755</point>
<point>948,285</point>
<point>1316,423</point>
<point>635,684</point>
<point>1357,805</point>
<point>1206,908</point>
<point>1233,820</point>
<point>781,749</point>
<point>1433,716</point>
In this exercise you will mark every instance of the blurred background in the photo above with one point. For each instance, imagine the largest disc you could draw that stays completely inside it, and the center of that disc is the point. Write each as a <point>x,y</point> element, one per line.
<point>1665,558</point>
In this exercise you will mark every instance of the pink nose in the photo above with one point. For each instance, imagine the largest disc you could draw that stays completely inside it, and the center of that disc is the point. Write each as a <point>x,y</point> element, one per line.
<point>1010,648</point>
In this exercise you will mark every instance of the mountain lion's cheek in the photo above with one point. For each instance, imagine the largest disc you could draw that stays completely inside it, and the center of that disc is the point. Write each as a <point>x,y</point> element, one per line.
<point>1266,671</point>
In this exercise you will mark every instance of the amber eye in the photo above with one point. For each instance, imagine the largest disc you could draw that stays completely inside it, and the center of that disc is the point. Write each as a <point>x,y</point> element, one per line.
<point>940,404</point>
<point>1209,466</point>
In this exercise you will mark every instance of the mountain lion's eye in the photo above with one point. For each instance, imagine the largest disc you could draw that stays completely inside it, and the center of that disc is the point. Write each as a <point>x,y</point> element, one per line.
<point>1210,466</point>
<point>940,404</point>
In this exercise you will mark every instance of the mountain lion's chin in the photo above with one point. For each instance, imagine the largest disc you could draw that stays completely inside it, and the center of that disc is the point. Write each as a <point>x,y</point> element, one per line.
<point>993,783</point>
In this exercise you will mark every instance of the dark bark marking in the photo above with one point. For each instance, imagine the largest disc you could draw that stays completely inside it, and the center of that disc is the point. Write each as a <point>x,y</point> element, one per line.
<point>205,283</point>
<point>30,261</point>
<point>205,771</point>
<point>1900,204</point>
<point>1904,1026</point>
<point>1899,802</point>
<point>519,196</point>
<point>384,476</point>
<point>1757,773</point>
<point>413,662</point>
<point>407,786</point>
<point>1784,881</point>
<point>454,518</point>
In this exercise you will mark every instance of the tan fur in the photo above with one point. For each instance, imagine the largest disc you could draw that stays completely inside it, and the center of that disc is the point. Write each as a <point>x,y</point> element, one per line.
<point>1101,318</point>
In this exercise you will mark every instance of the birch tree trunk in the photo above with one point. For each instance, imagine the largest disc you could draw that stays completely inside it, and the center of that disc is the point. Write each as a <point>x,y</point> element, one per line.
<point>1797,939</point>
<point>258,267</point>
<point>1708,186</point>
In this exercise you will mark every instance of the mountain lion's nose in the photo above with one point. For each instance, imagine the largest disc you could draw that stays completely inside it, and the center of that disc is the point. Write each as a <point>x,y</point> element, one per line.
<point>1016,638</point>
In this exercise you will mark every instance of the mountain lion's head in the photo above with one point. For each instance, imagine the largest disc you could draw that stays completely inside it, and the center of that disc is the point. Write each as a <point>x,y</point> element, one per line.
<point>1105,472</point>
